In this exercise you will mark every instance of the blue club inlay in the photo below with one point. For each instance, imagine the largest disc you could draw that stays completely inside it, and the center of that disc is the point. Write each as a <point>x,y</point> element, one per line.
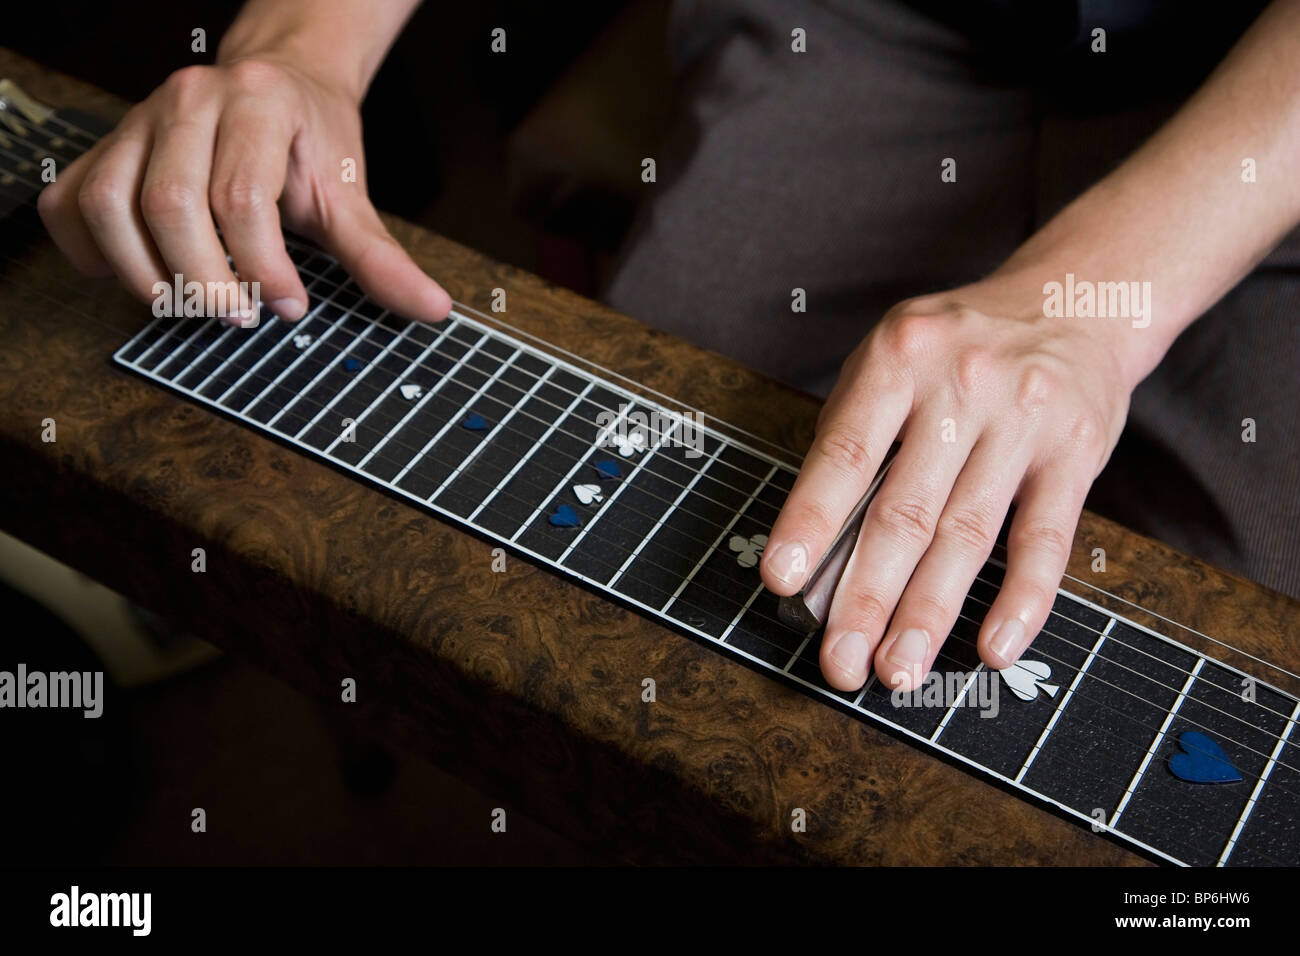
<point>1202,761</point>
<point>608,469</point>
<point>475,423</point>
<point>565,517</point>
<point>352,364</point>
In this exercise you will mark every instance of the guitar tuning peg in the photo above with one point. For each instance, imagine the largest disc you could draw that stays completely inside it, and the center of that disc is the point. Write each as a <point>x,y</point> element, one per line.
<point>14,100</point>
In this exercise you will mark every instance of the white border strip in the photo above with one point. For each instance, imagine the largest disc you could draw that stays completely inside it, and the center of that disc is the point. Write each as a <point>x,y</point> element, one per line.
<point>659,613</point>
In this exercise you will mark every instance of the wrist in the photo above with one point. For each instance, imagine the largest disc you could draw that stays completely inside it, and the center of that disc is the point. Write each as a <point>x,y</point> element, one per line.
<point>1115,314</point>
<point>302,48</point>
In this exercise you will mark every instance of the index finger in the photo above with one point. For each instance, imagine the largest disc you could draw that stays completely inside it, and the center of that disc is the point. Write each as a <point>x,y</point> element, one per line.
<point>861,420</point>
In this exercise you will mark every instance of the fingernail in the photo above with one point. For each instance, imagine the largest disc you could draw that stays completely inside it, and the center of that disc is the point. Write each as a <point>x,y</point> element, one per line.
<point>291,310</point>
<point>789,563</point>
<point>849,653</point>
<point>1006,642</point>
<point>909,651</point>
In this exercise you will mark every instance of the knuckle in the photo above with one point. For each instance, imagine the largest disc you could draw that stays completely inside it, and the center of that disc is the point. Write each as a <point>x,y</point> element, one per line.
<point>1041,536</point>
<point>930,608</point>
<point>867,608</point>
<point>49,200</point>
<point>912,335</point>
<point>971,527</point>
<point>846,447</point>
<point>1037,387</point>
<point>254,75</point>
<point>1085,432</point>
<point>973,367</point>
<point>239,198</point>
<point>167,201</point>
<point>187,81</point>
<point>906,518</point>
<point>814,521</point>
<point>101,199</point>
<point>1036,594</point>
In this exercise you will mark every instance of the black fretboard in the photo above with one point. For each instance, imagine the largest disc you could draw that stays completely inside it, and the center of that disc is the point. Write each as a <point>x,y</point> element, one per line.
<point>487,430</point>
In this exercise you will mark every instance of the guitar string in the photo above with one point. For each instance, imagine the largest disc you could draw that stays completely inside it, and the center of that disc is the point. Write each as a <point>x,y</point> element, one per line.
<point>703,541</point>
<point>679,600</point>
<point>784,452</point>
<point>314,251</point>
<point>1177,690</point>
<point>1184,627</point>
<point>365,386</point>
<point>786,650</point>
<point>320,252</point>
<point>1121,643</point>
<point>170,358</point>
<point>1142,746</point>
<point>93,138</point>
<point>999,555</point>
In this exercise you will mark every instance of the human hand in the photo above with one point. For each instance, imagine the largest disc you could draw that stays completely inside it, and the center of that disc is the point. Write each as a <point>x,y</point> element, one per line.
<point>250,142</point>
<point>992,403</point>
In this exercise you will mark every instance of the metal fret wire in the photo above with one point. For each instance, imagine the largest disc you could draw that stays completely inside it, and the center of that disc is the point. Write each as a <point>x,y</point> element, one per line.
<point>602,371</point>
<point>822,690</point>
<point>640,399</point>
<point>349,311</point>
<point>1160,636</point>
<point>1066,665</point>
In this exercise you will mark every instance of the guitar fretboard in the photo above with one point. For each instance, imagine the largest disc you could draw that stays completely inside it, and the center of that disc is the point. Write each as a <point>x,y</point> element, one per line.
<point>487,430</point>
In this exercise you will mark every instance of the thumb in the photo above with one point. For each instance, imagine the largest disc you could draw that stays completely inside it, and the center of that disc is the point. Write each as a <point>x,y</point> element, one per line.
<point>358,239</point>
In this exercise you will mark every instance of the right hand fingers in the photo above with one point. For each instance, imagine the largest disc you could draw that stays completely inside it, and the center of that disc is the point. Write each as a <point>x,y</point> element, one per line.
<point>859,422</point>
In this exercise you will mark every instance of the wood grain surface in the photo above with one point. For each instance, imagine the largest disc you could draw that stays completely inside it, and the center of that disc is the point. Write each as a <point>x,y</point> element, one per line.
<point>523,684</point>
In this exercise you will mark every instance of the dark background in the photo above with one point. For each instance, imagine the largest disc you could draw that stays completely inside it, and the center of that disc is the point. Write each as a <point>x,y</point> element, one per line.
<point>532,158</point>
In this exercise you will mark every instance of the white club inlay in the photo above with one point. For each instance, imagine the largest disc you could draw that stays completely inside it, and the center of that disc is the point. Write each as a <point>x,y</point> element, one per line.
<point>750,548</point>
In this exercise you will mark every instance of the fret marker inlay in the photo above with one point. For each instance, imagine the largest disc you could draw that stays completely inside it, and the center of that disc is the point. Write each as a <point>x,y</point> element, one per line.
<point>680,540</point>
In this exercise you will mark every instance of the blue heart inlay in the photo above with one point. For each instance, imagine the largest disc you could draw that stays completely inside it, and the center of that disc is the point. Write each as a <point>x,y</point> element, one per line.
<point>565,517</point>
<point>1203,761</point>
<point>608,469</point>
<point>475,423</point>
<point>351,364</point>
